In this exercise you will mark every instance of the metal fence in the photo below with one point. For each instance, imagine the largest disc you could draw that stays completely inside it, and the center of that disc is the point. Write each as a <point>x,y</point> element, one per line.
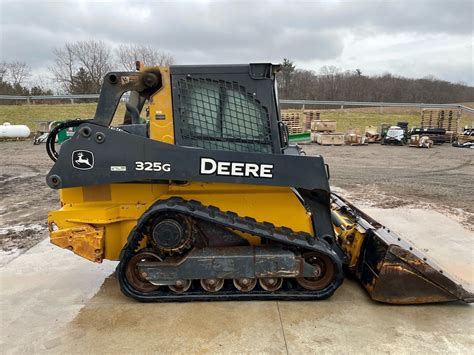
<point>341,104</point>
<point>30,99</point>
<point>302,103</point>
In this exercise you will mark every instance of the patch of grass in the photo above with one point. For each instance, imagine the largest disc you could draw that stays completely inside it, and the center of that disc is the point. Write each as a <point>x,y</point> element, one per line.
<point>31,114</point>
<point>346,119</point>
<point>359,118</point>
<point>354,119</point>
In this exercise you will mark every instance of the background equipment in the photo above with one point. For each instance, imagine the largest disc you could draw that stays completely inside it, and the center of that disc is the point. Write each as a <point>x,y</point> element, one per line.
<point>394,135</point>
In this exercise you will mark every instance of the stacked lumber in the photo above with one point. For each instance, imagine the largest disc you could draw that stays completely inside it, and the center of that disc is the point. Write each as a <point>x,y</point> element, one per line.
<point>293,119</point>
<point>324,132</point>
<point>353,137</point>
<point>327,126</point>
<point>439,118</point>
<point>372,135</point>
<point>327,138</point>
<point>310,116</point>
<point>420,141</point>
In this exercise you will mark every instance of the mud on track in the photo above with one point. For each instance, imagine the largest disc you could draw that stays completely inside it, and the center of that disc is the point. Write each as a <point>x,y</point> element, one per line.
<point>440,178</point>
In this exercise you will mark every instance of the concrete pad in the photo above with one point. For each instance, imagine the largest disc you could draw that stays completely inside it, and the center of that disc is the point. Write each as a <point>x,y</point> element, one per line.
<point>351,323</point>
<point>42,290</point>
<point>47,303</point>
<point>180,328</point>
<point>52,300</point>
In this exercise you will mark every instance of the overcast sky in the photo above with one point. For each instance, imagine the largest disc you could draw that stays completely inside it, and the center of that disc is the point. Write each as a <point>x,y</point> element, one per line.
<point>413,38</point>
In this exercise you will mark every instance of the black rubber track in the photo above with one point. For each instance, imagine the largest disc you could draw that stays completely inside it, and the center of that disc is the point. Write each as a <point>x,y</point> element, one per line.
<point>290,289</point>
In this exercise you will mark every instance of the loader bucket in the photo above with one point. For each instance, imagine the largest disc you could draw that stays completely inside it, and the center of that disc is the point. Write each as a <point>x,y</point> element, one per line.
<point>393,271</point>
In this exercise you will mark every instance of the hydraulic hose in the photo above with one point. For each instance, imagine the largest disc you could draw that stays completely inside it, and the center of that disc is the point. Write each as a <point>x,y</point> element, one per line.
<point>51,141</point>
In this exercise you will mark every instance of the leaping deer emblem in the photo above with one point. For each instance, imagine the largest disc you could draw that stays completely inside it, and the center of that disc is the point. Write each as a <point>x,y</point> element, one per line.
<point>81,160</point>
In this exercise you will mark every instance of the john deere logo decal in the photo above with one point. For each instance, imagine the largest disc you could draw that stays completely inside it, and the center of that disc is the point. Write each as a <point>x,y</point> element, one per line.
<point>82,159</point>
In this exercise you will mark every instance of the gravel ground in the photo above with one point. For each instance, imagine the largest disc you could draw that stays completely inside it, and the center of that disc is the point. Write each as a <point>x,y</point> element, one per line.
<point>25,198</point>
<point>440,178</point>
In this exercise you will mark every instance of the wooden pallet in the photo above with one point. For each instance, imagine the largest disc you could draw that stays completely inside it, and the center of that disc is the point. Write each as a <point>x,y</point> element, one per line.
<point>327,138</point>
<point>293,119</point>
<point>438,118</point>
<point>323,126</point>
<point>310,116</point>
<point>353,138</point>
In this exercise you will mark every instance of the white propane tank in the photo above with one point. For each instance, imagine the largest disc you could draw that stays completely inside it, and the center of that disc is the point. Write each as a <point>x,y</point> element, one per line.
<point>14,131</point>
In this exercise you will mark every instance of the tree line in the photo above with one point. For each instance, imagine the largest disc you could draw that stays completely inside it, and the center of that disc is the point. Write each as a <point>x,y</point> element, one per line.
<point>333,84</point>
<point>13,80</point>
<point>79,67</point>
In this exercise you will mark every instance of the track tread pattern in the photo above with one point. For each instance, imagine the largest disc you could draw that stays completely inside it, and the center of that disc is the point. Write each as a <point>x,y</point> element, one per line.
<point>231,220</point>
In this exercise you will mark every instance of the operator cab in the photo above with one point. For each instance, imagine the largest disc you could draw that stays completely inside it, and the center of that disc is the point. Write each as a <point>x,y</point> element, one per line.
<point>218,107</point>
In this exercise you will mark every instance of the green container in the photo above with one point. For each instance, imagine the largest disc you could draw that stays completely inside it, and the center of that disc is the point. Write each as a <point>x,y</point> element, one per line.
<point>300,137</point>
<point>65,134</point>
<point>384,129</point>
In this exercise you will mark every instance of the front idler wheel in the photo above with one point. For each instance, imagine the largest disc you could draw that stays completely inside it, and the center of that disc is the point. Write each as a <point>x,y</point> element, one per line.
<point>323,272</point>
<point>132,273</point>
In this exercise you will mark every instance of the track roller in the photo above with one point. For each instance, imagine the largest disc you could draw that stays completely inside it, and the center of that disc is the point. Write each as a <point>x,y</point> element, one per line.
<point>245,284</point>
<point>271,283</point>
<point>180,286</point>
<point>212,285</point>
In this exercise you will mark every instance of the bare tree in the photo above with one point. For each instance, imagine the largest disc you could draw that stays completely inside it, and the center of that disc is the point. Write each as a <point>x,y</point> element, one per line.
<point>3,71</point>
<point>331,77</point>
<point>40,84</point>
<point>128,54</point>
<point>64,66</point>
<point>94,57</point>
<point>17,73</point>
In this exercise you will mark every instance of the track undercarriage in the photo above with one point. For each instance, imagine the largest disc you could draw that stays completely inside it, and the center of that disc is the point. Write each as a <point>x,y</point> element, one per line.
<point>192,252</point>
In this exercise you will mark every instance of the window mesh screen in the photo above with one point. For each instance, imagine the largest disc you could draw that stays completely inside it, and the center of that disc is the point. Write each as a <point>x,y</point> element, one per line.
<point>221,115</point>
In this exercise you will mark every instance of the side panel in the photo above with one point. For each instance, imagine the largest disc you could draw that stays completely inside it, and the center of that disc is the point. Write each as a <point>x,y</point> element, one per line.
<point>161,111</point>
<point>112,157</point>
<point>277,205</point>
<point>145,160</point>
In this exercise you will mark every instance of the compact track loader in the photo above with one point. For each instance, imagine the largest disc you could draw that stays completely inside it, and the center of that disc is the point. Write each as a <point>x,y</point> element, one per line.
<point>201,197</point>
